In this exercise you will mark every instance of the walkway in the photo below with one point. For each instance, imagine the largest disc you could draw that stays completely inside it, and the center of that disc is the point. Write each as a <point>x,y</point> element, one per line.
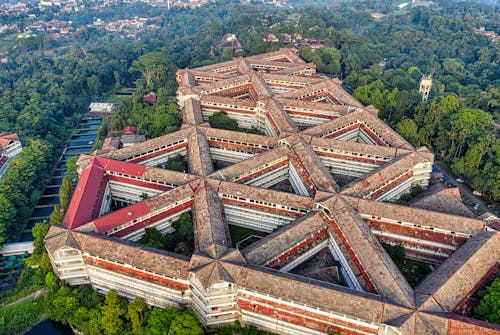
<point>467,196</point>
<point>41,292</point>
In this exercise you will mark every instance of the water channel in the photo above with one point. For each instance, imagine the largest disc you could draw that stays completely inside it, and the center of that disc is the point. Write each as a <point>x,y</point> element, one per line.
<point>49,327</point>
<point>81,142</point>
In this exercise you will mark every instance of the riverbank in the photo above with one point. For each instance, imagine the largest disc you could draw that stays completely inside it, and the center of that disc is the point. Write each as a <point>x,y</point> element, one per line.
<point>21,317</point>
<point>47,326</point>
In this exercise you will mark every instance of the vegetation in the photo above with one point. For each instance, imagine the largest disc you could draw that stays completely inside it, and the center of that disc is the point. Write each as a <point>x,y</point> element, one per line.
<point>176,163</point>
<point>42,99</point>
<point>414,271</point>
<point>221,120</point>
<point>65,192</point>
<point>380,61</point>
<point>405,198</point>
<point>241,330</point>
<point>180,241</point>
<point>239,233</point>
<point>19,317</point>
<point>31,279</point>
<point>488,308</point>
<point>326,59</point>
<point>94,314</point>
<point>153,121</point>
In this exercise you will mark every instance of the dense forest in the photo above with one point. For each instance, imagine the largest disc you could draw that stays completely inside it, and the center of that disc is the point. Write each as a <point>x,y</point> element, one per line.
<point>47,84</point>
<point>381,61</point>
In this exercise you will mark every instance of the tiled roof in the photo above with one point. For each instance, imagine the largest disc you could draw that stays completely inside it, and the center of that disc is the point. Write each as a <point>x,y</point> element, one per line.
<point>284,239</point>
<point>384,174</point>
<point>212,233</point>
<point>458,275</point>
<point>448,222</point>
<point>141,257</point>
<point>336,217</point>
<point>379,268</point>
<point>441,199</point>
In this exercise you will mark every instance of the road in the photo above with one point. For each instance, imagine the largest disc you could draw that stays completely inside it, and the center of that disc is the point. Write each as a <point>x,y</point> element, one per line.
<point>468,198</point>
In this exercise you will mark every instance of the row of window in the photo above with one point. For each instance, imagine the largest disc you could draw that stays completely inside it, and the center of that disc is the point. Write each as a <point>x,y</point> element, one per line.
<point>131,267</point>
<point>227,87</point>
<point>169,145</point>
<point>343,152</point>
<point>265,203</point>
<point>261,167</point>
<point>422,227</point>
<point>120,174</point>
<point>206,104</point>
<point>375,132</point>
<point>239,142</point>
<point>390,181</point>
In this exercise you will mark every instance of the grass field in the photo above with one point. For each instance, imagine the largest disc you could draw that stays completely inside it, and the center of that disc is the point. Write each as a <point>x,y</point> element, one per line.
<point>240,233</point>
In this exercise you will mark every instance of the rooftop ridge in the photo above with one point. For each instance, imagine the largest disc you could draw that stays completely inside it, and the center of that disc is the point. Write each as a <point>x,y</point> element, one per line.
<point>317,134</point>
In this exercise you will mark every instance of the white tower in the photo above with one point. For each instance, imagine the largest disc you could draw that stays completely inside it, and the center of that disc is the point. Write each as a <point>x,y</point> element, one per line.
<point>425,87</point>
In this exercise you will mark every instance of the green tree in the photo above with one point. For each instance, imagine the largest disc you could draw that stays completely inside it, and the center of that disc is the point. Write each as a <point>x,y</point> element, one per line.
<point>51,283</point>
<point>488,308</point>
<point>153,238</point>
<point>160,319</point>
<point>408,129</point>
<point>112,314</point>
<point>176,163</point>
<point>184,227</point>
<point>186,324</point>
<point>221,120</point>
<point>7,217</point>
<point>62,306</point>
<point>57,215</point>
<point>39,231</point>
<point>136,315</point>
<point>66,191</point>
<point>155,67</point>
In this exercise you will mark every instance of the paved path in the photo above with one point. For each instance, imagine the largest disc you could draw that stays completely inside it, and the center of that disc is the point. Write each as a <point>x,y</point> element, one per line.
<point>467,196</point>
<point>31,296</point>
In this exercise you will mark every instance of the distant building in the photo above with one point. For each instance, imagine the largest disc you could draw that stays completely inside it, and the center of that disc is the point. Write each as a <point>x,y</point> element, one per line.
<point>150,98</point>
<point>111,143</point>
<point>10,146</point>
<point>378,16</point>
<point>271,38</point>
<point>130,137</point>
<point>101,108</point>
<point>487,33</point>
<point>425,87</point>
<point>311,43</point>
<point>232,40</point>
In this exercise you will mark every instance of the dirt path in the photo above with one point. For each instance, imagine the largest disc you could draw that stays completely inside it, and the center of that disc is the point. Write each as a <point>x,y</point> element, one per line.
<point>31,296</point>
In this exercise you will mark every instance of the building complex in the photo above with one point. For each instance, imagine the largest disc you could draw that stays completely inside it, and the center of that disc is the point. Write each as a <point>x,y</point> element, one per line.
<point>10,146</point>
<point>319,182</point>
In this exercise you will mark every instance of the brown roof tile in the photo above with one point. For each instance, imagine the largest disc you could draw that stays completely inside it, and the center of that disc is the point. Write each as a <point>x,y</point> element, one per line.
<point>450,283</point>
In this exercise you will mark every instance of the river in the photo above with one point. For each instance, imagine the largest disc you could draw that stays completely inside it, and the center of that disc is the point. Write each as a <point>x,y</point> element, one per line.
<point>47,327</point>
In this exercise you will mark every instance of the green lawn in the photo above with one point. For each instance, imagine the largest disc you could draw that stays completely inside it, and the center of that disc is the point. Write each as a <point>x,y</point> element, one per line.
<point>18,318</point>
<point>240,233</point>
<point>414,271</point>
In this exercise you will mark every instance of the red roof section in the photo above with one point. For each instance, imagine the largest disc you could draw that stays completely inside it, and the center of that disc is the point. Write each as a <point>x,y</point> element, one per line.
<point>9,136</point>
<point>83,206</point>
<point>122,167</point>
<point>121,216</point>
<point>129,130</point>
<point>150,98</point>
<point>6,138</point>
